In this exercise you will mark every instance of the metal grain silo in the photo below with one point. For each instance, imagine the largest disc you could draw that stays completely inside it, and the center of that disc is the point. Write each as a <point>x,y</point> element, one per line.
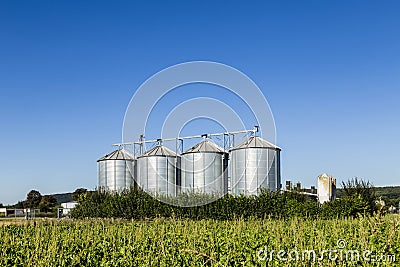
<point>255,164</point>
<point>157,171</point>
<point>204,168</point>
<point>116,170</point>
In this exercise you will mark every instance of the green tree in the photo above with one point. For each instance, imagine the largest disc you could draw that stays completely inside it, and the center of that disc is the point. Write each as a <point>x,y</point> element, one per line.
<point>33,199</point>
<point>361,191</point>
<point>47,203</point>
<point>19,205</point>
<point>77,193</point>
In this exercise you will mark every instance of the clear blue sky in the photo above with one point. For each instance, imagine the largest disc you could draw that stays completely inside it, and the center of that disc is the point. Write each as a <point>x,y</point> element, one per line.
<point>329,69</point>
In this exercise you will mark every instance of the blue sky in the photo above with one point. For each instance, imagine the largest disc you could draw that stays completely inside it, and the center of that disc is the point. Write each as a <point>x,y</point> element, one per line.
<point>329,70</point>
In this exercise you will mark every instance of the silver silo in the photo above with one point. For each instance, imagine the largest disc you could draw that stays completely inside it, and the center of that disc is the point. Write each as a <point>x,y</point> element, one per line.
<point>116,170</point>
<point>157,171</point>
<point>255,164</point>
<point>204,168</point>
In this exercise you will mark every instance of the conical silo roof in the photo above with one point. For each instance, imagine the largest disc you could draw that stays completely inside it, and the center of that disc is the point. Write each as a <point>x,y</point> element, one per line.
<point>119,154</point>
<point>205,146</point>
<point>160,151</point>
<point>255,142</point>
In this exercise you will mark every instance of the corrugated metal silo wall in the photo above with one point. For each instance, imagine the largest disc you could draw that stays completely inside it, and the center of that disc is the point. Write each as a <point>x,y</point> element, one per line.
<point>254,168</point>
<point>102,183</point>
<point>116,174</point>
<point>204,172</point>
<point>158,174</point>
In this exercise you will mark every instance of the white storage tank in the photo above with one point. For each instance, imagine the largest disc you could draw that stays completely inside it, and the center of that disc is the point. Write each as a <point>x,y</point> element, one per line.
<point>255,164</point>
<point>158,172</point>
<point>116,170</point>
<point>204,168</point>
<point>326,188</point>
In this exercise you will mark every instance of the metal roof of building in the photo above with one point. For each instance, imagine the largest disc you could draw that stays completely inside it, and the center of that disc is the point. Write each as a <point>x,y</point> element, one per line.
<point>119,154</point>
<point>160,151</point>
<point>205,146</point>
<point>255,142</point>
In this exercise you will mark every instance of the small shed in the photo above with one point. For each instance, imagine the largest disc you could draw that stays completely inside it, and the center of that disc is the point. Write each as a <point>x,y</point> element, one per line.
<point>68,206</point>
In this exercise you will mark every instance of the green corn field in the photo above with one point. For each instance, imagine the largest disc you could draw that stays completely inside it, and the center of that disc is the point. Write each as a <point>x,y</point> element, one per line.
<point>169,242</point>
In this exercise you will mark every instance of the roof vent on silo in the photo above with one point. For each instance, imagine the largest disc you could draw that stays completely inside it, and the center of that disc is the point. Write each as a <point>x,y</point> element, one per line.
<point>119,154</point>
<point>255,142</point>
<point>160,151</point>
<point>205,146</point>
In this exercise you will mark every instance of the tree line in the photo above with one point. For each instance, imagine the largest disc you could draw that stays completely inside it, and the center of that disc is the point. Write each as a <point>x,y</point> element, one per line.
<point>46,203</point>
<point>358,199</point>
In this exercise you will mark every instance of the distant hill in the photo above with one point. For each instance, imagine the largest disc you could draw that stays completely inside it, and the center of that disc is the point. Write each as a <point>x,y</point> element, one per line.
<point>63,197</point>
<point>390,194</point>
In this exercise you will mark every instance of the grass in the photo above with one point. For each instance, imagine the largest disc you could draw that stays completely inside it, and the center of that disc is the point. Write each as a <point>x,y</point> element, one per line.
<point>108,242</point>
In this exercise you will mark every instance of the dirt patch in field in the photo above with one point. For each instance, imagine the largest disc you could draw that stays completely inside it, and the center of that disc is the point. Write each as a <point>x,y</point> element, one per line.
<point>12,221</point>
<point>22,221</point>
